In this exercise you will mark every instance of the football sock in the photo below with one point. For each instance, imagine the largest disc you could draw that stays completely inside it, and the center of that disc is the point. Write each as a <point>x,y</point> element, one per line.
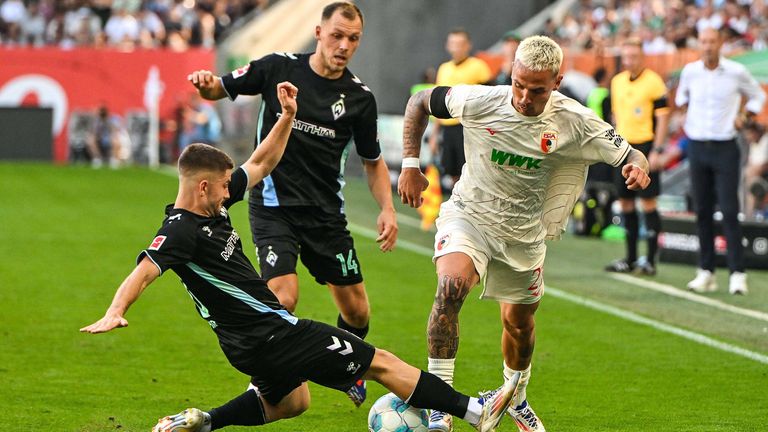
<point>442,368</point>
<point>525,375</point>
<point>434,393</point>
<point>244,410</point>
<point>653,226</point>
<point>631,224</point>
<point>357,331</point>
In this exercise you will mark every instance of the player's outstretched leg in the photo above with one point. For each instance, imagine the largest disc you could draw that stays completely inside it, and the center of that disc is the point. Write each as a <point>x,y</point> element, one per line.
<point>423,390</point>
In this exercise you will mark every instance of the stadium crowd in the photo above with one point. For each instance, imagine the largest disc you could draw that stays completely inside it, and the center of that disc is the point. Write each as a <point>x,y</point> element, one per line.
<point>122,24</point>
<point>664,25</point>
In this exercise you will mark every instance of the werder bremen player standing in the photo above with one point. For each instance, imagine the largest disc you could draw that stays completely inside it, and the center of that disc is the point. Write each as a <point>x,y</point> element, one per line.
<point>527,148</point>
<point>298,210</point>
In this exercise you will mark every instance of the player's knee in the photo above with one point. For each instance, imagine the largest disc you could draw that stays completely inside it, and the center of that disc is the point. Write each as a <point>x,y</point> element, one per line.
<point>452,289</point>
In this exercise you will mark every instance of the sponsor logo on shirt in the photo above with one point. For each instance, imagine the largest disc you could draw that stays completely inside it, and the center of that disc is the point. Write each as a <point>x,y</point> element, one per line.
<point>311,128</point>
<point>157,242</point>
<point>513,160</point>
<point>237,73</point>
<point>548,141</point>
<point>229,249</point>
<point>338,108</point>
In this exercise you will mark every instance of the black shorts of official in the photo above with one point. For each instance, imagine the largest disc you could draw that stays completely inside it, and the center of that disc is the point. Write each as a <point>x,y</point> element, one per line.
<point>652,191</point>
<point>312,351</point>
<point>452,149</point>
<point>320,239</point>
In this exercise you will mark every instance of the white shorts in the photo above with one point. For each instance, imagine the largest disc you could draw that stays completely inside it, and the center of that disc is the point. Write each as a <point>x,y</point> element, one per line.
<point>510,272</point>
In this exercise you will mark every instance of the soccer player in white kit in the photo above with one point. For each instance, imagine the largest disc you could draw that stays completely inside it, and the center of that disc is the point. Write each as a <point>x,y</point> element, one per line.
<point>527,149</point>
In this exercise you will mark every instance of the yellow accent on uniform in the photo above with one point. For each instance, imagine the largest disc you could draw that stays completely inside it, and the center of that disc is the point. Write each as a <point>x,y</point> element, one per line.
<point>632,103</point>
<point>471,71</point>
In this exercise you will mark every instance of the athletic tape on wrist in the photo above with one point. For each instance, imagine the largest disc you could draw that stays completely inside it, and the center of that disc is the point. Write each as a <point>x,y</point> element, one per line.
<point>411,162</point>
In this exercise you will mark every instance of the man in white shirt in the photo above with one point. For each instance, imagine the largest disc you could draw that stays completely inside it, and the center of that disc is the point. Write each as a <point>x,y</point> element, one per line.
<point>712,89</point>
<point>528,148</point>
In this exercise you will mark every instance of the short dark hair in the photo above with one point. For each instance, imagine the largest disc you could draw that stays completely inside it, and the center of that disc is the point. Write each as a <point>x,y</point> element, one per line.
<point>460,31</point>
<point>203,157</point>
<point>600,74</point>
<point>349,11</point>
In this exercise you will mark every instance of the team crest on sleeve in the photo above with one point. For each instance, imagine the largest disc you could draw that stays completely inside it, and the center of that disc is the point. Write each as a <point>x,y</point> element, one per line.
<point>338,108</point>
<point>443,242</point>
<point>157,242</point>
<point>548,141</point>
<point>237,73</point>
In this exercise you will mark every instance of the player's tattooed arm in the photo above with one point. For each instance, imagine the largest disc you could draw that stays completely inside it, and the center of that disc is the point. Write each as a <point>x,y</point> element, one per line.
<point>412,182</point>
<point>443,326</point>
<point>415,122</point>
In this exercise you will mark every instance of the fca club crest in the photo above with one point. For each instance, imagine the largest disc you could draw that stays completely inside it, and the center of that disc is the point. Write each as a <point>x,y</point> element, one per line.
<point>338,108</point>
<point>548,141</point>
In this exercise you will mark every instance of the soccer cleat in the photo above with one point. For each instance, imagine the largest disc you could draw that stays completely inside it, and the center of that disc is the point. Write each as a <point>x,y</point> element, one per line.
<point>738,284</point>
<point>189,420</point>
<point>526,418</point>
<point>703,282</point>
<point>620,266</point>
<point>357,393</point>
<point>495,403</point>
<point>440,422</point>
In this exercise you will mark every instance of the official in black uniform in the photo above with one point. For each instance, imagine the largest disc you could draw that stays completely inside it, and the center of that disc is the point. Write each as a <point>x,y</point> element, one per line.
<point>257,334</point>
<point>298,210</point>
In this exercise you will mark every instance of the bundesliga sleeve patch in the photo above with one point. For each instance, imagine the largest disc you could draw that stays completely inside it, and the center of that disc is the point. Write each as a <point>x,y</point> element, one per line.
<point>237,73</point>
<point>157,242</point>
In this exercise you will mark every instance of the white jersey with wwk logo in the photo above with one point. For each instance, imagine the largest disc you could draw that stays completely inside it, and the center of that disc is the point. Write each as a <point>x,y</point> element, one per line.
<point>524,174</point>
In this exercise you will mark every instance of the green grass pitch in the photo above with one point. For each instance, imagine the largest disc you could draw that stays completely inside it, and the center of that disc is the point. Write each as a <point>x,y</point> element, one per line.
<point>70,235</point>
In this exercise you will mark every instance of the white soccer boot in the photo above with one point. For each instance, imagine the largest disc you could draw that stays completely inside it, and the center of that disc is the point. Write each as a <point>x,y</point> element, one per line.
<point>703,282</point>
<point>526,418</point>
<point>738,284</point>
<point>495,403</point>
<point>189,420</point>
<point>440,422</point>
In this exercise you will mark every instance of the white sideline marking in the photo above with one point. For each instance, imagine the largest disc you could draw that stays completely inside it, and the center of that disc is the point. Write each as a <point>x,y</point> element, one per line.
<point>601,307</point>
<point>631,316</point>
<point>674,292</point>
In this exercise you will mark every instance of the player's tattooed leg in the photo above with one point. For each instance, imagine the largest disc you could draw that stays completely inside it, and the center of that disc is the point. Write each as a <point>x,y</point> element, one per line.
<point>443,326</point>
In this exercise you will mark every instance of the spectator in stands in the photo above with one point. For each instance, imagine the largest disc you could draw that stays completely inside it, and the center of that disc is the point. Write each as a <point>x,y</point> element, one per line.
<point>462,68</point>
<point>712,123</point>
<point>510,41</point>
<point>33,27</point>
<point>641,114</point>
<point>12,14</point>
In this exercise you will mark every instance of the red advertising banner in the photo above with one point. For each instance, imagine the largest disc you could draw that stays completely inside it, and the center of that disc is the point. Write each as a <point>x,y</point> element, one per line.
<point>83,79</point>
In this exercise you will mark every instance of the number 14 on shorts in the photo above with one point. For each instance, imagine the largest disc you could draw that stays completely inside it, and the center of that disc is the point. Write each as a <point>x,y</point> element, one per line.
<point>348,264</point>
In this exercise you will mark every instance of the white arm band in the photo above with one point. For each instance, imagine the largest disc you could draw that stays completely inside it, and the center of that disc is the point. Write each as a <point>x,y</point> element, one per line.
<point>411,162</point>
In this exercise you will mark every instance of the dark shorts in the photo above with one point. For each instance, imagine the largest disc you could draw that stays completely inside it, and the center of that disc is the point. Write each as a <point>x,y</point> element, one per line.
<point>452,149</point>
<point>312,351</point>
<point>320,239</point>
<point>652,191</point>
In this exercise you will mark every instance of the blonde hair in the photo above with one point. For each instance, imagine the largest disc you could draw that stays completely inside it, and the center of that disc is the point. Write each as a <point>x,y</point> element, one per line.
<point>539,53</point>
